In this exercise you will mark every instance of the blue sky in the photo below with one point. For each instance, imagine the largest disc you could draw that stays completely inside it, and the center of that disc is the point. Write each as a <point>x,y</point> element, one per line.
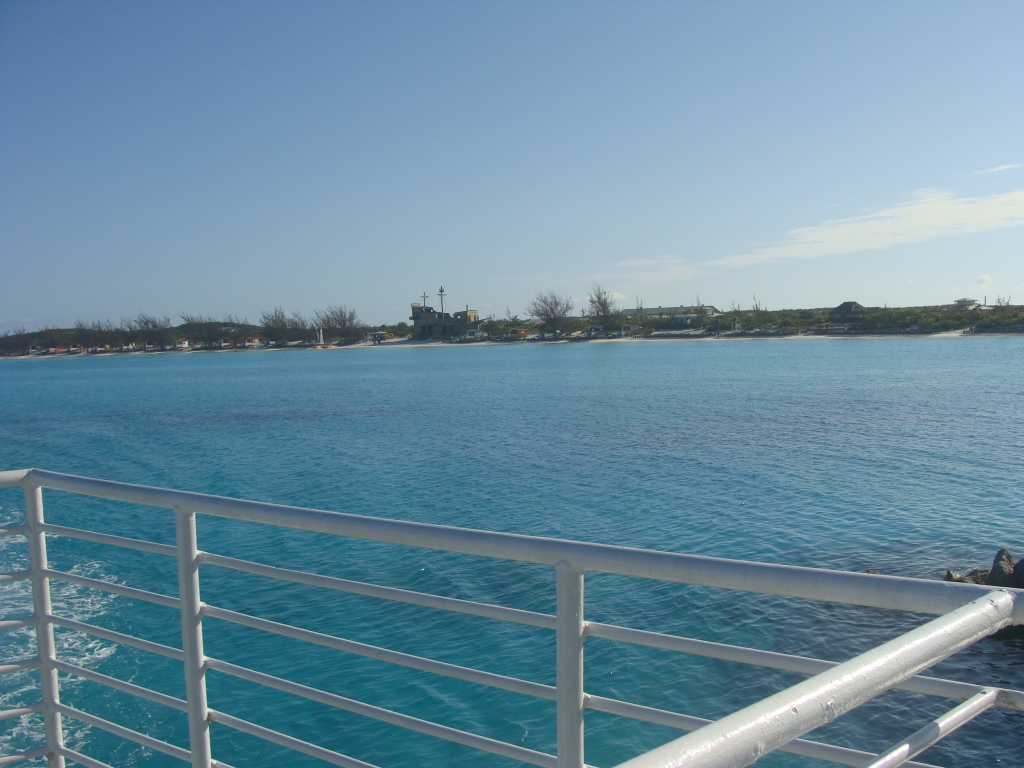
<point>231,157</point>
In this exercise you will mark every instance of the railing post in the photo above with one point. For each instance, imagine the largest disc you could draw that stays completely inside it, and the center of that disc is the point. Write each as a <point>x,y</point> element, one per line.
<point>192,638</point>
<point>48,684</point>
<point>569,659</point>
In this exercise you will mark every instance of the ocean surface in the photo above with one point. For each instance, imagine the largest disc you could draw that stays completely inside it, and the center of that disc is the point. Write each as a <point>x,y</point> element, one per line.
<point>905,455</point>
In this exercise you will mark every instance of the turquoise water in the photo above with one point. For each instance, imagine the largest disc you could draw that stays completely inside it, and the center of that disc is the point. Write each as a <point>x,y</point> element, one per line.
<point>897,454</point>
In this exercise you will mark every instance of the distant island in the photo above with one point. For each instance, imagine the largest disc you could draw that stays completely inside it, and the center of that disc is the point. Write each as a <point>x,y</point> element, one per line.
<point>550,318</point>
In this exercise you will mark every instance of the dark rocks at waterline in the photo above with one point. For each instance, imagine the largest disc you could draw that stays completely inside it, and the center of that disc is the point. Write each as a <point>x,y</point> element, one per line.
<point>976,576</point>
<point>1002,574</point>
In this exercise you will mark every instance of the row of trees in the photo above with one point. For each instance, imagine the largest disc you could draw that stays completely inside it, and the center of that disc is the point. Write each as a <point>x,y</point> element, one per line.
<point>871,320</point>
<point>555,313</point>
<point>549,312</point>
<point>337,321</point>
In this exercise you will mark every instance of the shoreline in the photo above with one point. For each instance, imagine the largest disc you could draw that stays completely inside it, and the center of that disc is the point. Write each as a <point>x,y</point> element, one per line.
<point>413,343</point>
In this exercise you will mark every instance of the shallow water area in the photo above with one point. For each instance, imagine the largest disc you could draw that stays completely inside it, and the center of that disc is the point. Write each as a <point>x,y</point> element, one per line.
<point>897,454</point>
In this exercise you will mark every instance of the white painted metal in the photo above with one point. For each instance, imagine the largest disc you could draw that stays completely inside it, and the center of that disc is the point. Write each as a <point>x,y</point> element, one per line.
<point>815,749</point>
<point>274,737</point>
<point>124,733</point>
<point>10,714</point>
<point>569,660</point>
<point>931,686</point>
<point>385,715</point>
<point>17,666</point>
<point>19,757</point>
<point>121,685</point>
<point>499,612</point>
<point>112,588</point>
<point>192,638</point>
<point>18,623</point>
<point>383,654</point>
<point>81,759</point>
<point>741,738</point>
<point>937,729</point>
<point>968,613</point>
<point>49,687</point>
<point>886,592</point>
<point>117,637</point>
<point>106,538</point>
<point>12,477</point>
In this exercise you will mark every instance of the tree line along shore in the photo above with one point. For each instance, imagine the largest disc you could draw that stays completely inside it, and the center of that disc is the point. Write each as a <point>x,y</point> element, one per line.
<point>548,315</point>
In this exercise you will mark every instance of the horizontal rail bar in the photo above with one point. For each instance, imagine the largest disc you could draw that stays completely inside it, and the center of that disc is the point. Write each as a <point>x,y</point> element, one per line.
<point>31,754</point>
<point>13,477</point>
<point>10,714</point>
<point>936,730</point>
<point>112,588</point>
<point>124,733</point>
<point>386,715</point>
<point>121,685</point>
<point>888,592</point>
<point>515,615</point>
<point>17,666</point>
<point>290,742</point>
<point>21,621</point>
<point>106,538</point>
<point>931,686</point>
<point>81,759</point>
<point>815,749</point>
<point>14,530</point>
<point>491,679</point>
<point>741,738</point>
<point>15,576</point>
<point>117,637</point>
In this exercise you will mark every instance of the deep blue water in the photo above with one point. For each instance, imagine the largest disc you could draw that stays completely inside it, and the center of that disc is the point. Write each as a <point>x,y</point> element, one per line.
<point>898,454</point>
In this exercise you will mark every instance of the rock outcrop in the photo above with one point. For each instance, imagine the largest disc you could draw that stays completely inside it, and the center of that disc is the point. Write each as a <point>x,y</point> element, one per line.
<point>977,576</point>
<point>1002,574</point>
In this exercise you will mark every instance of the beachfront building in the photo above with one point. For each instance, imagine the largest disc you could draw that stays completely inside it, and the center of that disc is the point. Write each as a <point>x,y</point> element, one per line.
<point>965,304</point>
<point>694,310</point>
<point>427,322</point>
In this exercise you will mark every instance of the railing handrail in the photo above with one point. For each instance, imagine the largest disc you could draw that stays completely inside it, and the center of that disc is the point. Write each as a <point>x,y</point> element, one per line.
<point>866,590</point>
<point>966,613</point>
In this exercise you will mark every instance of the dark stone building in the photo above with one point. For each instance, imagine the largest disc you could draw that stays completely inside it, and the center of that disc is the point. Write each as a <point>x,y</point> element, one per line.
<point>426,322</point>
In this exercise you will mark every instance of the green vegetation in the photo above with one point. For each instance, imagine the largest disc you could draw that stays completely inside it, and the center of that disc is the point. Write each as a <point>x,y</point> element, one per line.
<point>549,311</point>
<point>871,320</point>
<point>340,326</point>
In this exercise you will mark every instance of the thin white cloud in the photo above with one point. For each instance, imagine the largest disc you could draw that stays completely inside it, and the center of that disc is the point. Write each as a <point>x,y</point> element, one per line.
<point>984,282</point>
<point>999,168</point>
<point>927,215</point>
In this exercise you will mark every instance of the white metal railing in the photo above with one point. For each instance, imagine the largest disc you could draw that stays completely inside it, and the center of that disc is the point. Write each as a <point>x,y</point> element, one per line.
<point>966,613</point>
